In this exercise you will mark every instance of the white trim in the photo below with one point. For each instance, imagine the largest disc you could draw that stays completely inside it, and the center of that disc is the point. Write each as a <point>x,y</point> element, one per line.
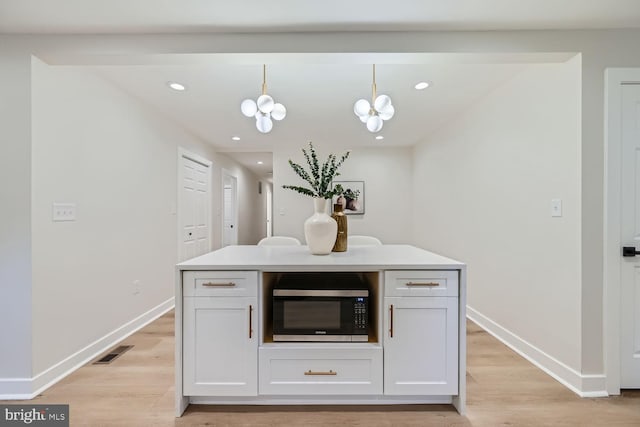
<point>460,401</point>
<point>195,157</point>
<point>183,153</point>
<point>321,400</point>
<point>15,389</point>
<point>234,178</point>
<point>181,401</point>
<point>582,385</point>
<point>22,388</point>
<point>614,79</point>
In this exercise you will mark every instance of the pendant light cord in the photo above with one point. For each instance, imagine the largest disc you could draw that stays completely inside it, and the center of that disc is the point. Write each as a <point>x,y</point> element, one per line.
<point>264,79</point>
<point>373,86</point>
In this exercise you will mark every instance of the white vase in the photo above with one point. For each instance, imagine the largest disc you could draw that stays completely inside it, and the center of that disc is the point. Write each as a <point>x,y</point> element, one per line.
<point>320,230</point>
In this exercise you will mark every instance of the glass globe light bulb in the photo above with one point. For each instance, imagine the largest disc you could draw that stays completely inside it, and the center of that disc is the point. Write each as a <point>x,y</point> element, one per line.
<point>388,112</point>
<point>361,107</point>
<point>265,103</point>
<point>279,112</point>
<point>364,118</point>
<point>374,124</point>
<point>248,107</point>
<point>381,103</point>
<point>264,123</point>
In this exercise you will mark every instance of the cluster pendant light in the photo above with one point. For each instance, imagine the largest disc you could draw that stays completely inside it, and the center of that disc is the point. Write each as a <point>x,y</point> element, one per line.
<point>264,109</point>
<point>375,113</point>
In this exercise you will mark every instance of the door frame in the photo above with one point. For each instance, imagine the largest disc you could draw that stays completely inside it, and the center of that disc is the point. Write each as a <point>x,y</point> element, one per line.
<point>183,153</point>
<point>227,173</point>
<point>615,78</point>
<point>269,209</point>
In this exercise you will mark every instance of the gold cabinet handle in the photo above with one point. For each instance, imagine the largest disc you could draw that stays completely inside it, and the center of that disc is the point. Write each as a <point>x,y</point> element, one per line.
<point>219,285</point>
<point>310,372</point>
<point>429,284</point>
<point>250,321</point>
<point>391,321</point>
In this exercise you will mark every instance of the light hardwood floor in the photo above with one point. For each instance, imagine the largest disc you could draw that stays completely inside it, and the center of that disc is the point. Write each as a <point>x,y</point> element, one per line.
<point>503,390</point>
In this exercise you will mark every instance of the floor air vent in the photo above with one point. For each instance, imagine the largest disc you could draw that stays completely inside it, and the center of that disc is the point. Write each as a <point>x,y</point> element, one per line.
<point>113,355</point>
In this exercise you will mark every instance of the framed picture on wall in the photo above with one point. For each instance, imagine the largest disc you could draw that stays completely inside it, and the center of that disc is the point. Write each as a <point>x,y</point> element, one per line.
<point>352,199</point>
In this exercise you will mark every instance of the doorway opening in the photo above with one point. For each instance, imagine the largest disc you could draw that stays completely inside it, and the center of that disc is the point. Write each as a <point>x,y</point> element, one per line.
<point>229,209</point>
<point>269,212</point>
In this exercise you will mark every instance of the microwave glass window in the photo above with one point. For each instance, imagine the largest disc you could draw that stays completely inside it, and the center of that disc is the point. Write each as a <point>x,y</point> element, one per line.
<point>311,314</point>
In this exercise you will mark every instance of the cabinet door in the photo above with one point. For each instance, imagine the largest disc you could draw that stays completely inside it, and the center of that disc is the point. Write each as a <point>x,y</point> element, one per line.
<point>421,346</point>
<point>220,346</point>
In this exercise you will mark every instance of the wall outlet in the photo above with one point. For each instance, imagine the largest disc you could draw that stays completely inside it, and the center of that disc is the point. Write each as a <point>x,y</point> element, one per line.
<point>556,207</point>
<point>136,287</point>
<point>64,212</point>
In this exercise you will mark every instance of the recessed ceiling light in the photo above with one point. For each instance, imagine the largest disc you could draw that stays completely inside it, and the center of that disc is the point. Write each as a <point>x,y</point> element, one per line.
<point>235,138</point>
<point>259,162</point>
<point>379,137</point>
<point>422,85</point>
<point>176,86</point>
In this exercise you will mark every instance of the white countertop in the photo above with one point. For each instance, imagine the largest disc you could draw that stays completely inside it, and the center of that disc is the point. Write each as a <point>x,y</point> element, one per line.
<point>298,258</point>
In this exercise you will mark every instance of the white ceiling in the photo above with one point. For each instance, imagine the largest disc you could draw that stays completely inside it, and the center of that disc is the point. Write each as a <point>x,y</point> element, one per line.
<point>152,16</point>
<point>319,95</point>
<point>319,99</point>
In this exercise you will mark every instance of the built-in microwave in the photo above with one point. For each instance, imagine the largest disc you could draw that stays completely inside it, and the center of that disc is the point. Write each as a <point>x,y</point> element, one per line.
<point>315,308</point>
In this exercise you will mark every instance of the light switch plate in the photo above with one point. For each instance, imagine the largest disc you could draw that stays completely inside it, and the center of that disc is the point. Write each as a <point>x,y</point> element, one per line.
<point>64,211</point>
<point>556,207</point>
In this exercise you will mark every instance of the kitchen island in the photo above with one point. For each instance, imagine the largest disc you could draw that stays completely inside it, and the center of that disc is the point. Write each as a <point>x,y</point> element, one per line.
<point>415,351</point>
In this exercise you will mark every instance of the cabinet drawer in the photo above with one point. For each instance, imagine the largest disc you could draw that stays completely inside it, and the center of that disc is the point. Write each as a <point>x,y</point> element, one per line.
<point>421,283</point>
<point>320,371</point>
<point>220,283</point>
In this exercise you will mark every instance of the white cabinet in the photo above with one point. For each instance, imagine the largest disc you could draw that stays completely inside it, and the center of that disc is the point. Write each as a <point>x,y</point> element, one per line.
<point>220,344</point>
<point>321,370</point>
<point>417,283</point>
<point>421,341</point>
<point>225,352</point>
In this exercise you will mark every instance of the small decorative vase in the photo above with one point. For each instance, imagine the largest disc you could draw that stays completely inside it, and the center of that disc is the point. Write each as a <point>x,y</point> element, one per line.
<point>341,219</point>
<point>320,229</point>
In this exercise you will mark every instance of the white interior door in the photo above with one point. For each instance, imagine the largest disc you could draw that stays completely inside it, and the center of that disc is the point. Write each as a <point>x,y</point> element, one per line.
<point>630,271</point>
<point>194,206</point>
<point>229,209</point>
<point>269,211</point>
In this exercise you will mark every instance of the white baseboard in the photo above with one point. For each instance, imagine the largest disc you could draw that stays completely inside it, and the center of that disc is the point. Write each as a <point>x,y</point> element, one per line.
<point>581,384</point>
<point>15,388</point>
<point>28,388</point>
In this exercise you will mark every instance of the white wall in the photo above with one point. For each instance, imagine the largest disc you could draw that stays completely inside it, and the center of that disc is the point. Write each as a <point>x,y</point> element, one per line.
<point>388,191</point>
<point>600,49</point>
<point>484,185</point>
<point>95,146</point>
<point>15,221</point>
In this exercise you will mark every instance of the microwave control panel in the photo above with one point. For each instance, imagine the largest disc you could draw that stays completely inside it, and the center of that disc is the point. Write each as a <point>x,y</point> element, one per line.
<point>360,314</point>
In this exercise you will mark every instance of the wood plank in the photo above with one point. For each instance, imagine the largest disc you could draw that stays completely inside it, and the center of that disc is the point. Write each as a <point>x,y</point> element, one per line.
<point>503,389</point>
